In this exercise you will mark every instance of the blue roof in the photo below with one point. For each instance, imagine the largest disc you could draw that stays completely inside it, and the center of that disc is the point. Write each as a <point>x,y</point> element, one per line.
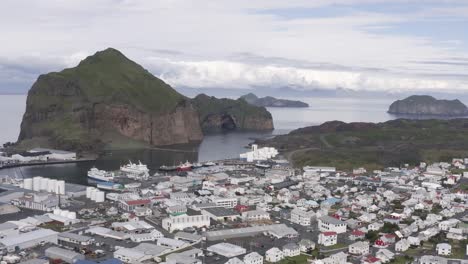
<point>332,200</point>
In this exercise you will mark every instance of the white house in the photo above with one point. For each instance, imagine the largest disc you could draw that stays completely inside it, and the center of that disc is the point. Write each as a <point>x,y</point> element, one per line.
<point>302,217</point>
<point>253,258</point>
<point>385,255</point>
<point>402,245</point>
<point>359,248</point>
<point>444,249</point>
<point>447,224</point>
<point>327,223</point>
<point>306,245</point>
<point>291,250</point>
<point>274,255</point>
<point>375,226</point>
<point>328,238</point>
<point>337,258</point>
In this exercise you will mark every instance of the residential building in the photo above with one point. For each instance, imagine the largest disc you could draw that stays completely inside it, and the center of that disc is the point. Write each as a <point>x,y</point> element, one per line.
<point>302,217</point>
<point>444,249</point>
<point>328,238</point>
<point>327,223</point>
<point>402,245</point>
<point>359,248</point>
<point>274,255</point>
<point>385,255</point>
<point>253,258</point>
<point>291,250</point>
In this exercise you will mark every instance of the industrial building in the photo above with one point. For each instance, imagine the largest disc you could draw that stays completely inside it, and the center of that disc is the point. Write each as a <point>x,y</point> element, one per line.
<point>276,230</point>
<point>259,154</point>
<point>30,239</point>
<point>65,255</point>
<point>227,250</point>
<point>140,253</point>
<point>183,221</point>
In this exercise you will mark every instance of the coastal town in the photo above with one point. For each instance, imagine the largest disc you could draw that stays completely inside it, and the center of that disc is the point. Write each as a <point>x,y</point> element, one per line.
<point>253,209</point>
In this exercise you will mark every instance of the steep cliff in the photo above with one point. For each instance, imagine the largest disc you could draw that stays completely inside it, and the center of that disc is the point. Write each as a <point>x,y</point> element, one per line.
<point>227,115</point>
<point>107,100</point>
<point>428,105</point>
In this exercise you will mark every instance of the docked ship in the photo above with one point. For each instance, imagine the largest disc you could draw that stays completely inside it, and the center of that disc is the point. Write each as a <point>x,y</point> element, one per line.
<point>209,164</point>
<point>167,168</point>
<point>187,166</point>
<point>262,166</point>
<point>197,165</point>
<point>100,175</point>
<point>135,171</point>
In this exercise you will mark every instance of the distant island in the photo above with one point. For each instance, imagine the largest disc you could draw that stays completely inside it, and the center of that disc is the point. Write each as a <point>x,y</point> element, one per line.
<point>109,101</point>
<point>269,101</point>
<point>428,105</point>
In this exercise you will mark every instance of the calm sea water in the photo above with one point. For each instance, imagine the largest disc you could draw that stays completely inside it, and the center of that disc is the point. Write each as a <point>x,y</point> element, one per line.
<point>213,147</point>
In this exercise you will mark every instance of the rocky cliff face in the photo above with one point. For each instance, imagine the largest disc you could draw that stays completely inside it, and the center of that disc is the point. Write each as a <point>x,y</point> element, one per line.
<point>428,105</point>
<point>107,100</point>
<point>226,115</point>
<point>110,101</point>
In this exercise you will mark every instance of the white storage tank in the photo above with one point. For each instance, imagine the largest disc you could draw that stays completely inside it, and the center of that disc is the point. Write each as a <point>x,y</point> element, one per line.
<point>52,184</point>
<point>57,211</point>
<point>28,183</point>
<point>44,184</point>
<point>71,215</point>
<point>93,194</point>
<point>64,213</point>
<point>37,183</point>
<point>88,191</point>
<point>99,197</point>
<point>60,187</point>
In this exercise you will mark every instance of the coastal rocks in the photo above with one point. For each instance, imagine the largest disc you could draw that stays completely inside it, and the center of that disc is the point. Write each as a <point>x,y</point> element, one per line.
<point>428,105</point>
<point>228,115</point>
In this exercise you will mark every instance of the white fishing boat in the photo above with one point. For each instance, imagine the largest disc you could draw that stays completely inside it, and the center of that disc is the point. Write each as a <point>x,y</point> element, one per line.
<point>135,171</point>
<point>100,175</point>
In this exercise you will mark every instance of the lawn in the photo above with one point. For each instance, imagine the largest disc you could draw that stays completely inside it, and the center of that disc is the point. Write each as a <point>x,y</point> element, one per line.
<point>402,260</point>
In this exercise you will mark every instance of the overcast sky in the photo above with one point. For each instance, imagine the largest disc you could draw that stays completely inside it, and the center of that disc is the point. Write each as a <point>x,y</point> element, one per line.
<point>306,44</point>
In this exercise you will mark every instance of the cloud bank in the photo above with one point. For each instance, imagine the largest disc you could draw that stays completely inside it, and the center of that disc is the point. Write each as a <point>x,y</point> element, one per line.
<point>352,44</point>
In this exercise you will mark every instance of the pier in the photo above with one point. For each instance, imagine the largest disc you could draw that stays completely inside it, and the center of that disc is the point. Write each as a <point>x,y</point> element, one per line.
<point>39,163</point>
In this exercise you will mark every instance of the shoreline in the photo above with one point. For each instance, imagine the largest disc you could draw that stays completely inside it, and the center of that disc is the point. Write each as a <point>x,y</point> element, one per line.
<point>41,163</point>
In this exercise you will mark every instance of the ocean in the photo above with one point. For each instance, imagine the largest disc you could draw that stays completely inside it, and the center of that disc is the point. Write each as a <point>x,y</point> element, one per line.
<point>213,147</point>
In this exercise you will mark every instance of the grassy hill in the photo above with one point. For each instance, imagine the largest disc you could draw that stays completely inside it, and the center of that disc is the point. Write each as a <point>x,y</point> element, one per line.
<point>392,143</point>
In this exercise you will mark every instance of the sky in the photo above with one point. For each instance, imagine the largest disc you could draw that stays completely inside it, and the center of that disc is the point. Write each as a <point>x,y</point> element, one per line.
<point>371,45</point>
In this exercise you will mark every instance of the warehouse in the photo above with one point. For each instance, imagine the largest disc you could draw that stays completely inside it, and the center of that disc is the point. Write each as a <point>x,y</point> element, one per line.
<point>65,255</point>
<point>220,214</point>
<point>227,250</point>
<point>72,238</point>
<point>29,239</point>
<point>140,253</point>
<point>277,230</point>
